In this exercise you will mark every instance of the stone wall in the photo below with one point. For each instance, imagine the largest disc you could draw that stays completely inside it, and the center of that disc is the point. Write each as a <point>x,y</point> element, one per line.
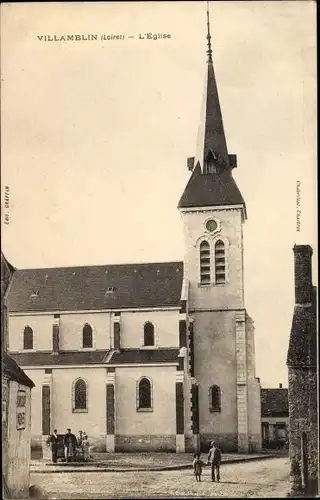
<point>228,442</point>
<point>303,418</point>
<point>158,443</point>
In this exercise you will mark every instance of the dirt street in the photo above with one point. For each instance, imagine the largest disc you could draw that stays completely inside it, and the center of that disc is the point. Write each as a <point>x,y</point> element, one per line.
<point>263,479</point>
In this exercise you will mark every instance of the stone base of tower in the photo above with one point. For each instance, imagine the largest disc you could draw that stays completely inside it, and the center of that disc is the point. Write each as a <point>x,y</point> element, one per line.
<point>228,442</point>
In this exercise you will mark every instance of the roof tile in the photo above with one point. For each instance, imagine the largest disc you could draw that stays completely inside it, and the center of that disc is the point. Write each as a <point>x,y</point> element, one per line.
<point>86,288</point>
<point>274,402</point>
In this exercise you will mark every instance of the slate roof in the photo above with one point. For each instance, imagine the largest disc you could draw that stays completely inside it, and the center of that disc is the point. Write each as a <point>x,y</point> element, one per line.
<point>274,403</point>
<point>62,358</point>
<point>14,372</point>
<point>302,350</point>
<point>206,190</point>
<point>126,356</point>
<point>86,288</point>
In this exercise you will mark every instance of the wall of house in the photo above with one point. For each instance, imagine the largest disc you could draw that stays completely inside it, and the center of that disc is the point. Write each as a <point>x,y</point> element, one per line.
<point>166,328</point>
<point>37,377</point>
<point>93,421</point>
<point>215,364</point>
<point>143,430</point>
<point>71,325</point>
<point>269,435</point>
<point>42,331</point>
<point>220,296</point>
<point>134,429</point>
<point>166,325</point>
<point>254,395</point>
<point>18,453</point>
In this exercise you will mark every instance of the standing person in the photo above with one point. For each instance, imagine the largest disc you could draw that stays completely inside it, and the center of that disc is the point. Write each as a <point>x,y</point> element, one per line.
<point>214,458</point>
<point>79,443</point>
<point>79,439</point>
<point>70,443</point>
<point>53,440</point>
<point>85,447</point>
<point>197,466</point>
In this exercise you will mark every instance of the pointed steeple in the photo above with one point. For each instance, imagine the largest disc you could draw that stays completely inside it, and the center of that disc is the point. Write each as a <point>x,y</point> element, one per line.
<point>212,152</point>
<point>211,183</point>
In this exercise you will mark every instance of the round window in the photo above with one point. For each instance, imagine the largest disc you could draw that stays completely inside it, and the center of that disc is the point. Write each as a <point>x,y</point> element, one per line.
<point>211,225</point>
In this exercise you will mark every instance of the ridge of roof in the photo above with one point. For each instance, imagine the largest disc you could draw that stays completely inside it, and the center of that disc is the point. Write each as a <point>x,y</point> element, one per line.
<point>85,266</point>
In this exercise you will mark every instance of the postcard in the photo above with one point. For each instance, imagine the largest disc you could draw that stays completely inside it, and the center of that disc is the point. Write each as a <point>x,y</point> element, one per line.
<point>159,246</point>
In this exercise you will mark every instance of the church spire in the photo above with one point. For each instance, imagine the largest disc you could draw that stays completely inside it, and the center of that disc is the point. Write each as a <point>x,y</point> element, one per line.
<point>211,183</point>
<point>212,153</point>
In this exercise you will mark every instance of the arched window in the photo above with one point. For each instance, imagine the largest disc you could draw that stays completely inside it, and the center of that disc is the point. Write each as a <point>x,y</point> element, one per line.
<point>28,338</point>
<point>80,395</point>
<point>87,336</point>
<point>144,394</point>
<point>214,398</point>
<point>204,263</point>
<point>220,262</point>
<point>148,334</point>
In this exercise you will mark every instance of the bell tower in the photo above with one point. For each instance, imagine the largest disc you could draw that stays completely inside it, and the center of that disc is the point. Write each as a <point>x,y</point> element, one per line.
<point>213,212</point>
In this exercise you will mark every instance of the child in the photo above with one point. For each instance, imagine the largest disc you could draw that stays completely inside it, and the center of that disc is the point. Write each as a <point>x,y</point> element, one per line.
<point>197,466</point>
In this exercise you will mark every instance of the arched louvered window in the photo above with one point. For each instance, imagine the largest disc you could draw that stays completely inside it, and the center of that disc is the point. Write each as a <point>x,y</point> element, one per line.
<point>205,273</point>
<point>28,338</point>
<point>80,395</point>
<point>144,394</point>
<point>87,336</point>
<point>220,262</point>
<point>214,398</point>
<point>148,334</point>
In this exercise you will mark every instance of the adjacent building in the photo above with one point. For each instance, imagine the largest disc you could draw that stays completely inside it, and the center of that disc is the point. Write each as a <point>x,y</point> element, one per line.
<point>274,417</point>
<point>16,409</point>
<point>155,356</point>
<point>302,362</point>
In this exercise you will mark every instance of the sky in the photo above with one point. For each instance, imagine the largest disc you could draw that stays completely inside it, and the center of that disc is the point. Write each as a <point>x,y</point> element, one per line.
<point>96,135</point>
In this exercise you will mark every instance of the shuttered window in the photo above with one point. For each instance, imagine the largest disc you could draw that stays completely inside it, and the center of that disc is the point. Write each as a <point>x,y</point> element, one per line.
<point>220,262</point>
<point>205,271</point>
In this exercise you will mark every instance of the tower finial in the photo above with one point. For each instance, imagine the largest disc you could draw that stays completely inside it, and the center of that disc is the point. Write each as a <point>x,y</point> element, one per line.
<point>209,51</point>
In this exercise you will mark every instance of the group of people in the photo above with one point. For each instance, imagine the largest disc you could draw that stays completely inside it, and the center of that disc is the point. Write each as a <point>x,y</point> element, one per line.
<point>214,459</point>
<point>72,445</point>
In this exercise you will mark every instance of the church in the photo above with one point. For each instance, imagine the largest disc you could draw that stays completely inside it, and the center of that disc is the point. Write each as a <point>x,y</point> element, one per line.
<point>156,356</point>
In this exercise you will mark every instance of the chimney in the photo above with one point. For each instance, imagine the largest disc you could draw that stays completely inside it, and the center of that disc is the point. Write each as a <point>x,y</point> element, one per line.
<point>303,274</point>
<point>55,334</point>
<point>280,386</point>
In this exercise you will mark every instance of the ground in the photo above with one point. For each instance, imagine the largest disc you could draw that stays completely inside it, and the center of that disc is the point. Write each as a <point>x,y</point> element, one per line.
<point>262,479</point>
